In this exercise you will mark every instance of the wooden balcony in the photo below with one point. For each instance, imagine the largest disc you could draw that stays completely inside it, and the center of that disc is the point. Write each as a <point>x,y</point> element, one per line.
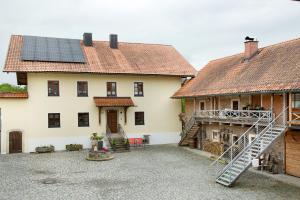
<point>244,117</point>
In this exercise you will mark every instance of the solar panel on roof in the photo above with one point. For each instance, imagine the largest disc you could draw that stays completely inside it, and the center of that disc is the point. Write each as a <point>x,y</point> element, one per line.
<point>51,49</point>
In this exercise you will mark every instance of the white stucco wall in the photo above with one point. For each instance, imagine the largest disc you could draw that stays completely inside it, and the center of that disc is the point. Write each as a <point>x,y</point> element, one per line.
<point>31,115</point>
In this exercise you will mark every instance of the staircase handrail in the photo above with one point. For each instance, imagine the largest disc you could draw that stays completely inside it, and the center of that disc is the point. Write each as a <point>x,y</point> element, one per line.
<point>122,132</point>
<point>188,125</point>
<point>236,142</point>
<point>108,134</point>
<point>250,144</point>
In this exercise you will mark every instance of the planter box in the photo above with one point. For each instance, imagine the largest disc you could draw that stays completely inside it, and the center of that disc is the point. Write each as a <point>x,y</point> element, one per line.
<point>46,149</point>
<point>74,147</point>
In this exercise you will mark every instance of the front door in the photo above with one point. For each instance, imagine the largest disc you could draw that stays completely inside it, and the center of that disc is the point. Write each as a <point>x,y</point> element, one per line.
<point>15,142</point>
<point>235,105</point>
<point>112,120</point>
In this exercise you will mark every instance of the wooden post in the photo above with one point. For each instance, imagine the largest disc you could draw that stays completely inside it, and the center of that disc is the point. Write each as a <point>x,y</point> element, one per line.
<point>194,105</point>
<point>99,108</point>
<point>283,107</point>
<point>125,115</point>
<point>261,100</point>
<point>219,102</point>
<point>250,99</point>
<point>272,103</point>
<point>290,109</point>
<point>240,103</point>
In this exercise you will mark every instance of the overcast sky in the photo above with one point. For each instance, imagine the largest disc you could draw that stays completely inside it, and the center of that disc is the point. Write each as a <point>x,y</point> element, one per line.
<point>200,30</point>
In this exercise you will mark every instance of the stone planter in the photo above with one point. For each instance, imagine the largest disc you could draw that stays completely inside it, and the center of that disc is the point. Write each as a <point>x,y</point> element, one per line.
<point>74,147</point>
<point>45,149</point>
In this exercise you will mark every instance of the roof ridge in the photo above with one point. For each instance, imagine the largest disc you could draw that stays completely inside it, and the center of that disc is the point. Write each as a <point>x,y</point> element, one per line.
<point>135,43</point>
<point>261,48</point>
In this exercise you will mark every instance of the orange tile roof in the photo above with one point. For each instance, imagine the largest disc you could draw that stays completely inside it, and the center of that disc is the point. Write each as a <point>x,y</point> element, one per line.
<point>274,68</point>
<point>129,58</point>
<point>113,101</point>
<point>13,95</point>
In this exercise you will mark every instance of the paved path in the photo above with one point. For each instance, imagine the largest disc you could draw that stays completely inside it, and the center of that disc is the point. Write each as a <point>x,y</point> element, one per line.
<point>159,172</point>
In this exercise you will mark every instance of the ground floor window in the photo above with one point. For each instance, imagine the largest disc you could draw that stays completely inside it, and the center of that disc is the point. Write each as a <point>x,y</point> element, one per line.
<point>53,120</point>
<point>139,118</point>
<point>83,119</point>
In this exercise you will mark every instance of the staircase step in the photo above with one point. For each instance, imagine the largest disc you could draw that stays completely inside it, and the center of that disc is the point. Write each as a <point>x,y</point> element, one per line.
<point>223,181</point>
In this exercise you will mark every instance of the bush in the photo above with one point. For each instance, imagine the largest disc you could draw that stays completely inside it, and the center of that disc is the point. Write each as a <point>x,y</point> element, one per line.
<point>74,147</point>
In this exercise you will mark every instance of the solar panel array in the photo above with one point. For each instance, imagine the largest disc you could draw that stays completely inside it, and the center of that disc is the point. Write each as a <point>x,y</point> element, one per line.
<point>51,49</point>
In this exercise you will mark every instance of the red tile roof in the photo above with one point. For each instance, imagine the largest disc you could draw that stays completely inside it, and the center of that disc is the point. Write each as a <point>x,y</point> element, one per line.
<point>13,95</point>
<point>274,68</point>
<point>113,101</point>
<point>129,58</point>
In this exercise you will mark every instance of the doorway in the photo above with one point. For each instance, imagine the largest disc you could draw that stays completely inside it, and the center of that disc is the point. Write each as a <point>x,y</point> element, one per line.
<point>112,120</point>
<point>15,142</point>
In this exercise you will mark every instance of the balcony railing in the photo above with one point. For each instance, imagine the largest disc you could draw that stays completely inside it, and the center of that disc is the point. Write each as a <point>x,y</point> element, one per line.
<point>234,116</point>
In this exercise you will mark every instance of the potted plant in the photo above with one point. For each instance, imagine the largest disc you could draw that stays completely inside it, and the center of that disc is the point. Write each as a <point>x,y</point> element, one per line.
<point>97,141</point>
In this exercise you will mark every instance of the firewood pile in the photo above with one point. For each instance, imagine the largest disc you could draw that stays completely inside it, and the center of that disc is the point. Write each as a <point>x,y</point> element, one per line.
<point>215,148</point>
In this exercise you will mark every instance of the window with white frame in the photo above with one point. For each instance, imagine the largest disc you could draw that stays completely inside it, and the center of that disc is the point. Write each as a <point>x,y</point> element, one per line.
<point>216,136</point>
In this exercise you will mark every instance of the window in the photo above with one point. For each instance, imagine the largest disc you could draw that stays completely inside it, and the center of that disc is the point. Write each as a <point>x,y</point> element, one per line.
<point>111,89</point>
<point>53,120</point>
<point>216,136</point>
<point>138,89</point>
<point>235,104</point>
<point>82,88</point>
<point>296,100</point>
<point>202,105</point>
<point>83,119</point>
<point>53,88</point>
<point>234,139</point>
<point>139,118</point>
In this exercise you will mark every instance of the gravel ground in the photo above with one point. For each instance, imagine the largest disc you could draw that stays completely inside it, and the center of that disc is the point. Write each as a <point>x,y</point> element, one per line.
<point>158,172</point>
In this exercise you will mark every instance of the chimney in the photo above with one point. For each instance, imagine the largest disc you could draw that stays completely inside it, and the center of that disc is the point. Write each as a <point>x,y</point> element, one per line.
<point>251,47</point>
<point>88,39</point>
<point>113,41</point>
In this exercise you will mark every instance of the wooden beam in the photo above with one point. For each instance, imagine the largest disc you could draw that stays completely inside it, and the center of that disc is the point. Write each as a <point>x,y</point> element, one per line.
<point>194,104</point>
<point>219,103</point>
<point>261,100</point>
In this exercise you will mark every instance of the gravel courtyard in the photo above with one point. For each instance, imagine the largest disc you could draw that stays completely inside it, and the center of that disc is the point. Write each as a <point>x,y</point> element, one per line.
<point>158,172</point>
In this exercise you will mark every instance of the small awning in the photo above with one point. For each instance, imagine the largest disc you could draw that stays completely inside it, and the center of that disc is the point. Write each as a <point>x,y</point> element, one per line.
<point>113,101</point>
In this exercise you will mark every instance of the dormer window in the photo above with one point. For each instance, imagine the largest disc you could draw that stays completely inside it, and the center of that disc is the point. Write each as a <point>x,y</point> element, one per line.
<point>111,89</point>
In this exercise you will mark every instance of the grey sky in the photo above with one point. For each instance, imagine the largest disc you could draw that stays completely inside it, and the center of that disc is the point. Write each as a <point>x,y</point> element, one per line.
<point>200,30</point>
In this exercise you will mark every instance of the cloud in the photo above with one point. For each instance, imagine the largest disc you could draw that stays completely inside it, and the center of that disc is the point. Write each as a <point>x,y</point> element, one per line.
<point>200,30</point>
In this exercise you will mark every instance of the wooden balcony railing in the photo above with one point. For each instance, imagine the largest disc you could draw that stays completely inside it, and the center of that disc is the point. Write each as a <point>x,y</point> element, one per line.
<point>234,116</point>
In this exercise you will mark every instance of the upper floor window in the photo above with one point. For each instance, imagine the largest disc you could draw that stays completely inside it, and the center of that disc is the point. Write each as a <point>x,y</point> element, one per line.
<point>53,88</point>
<point>82,88</point>
<point>53,120</point>
<point>235,104</point>
<point>138,89</point>
<point>139,118</point>
<point>111,88</point>
<point>83,119</point>
<point>296,100</point>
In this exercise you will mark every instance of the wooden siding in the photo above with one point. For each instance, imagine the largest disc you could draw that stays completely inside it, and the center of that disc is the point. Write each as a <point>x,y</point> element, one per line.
<point>292,141</point>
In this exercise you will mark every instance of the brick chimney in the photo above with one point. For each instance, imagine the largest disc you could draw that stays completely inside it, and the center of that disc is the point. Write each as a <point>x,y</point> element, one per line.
<point>251,47</point>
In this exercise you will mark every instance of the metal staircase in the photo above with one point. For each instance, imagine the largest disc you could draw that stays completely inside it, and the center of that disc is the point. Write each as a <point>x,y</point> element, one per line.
<point>238,158</point>
<point>190,130</point>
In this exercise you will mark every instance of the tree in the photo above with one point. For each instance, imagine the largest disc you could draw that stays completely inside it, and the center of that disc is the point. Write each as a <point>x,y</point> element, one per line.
<point>6,87</point>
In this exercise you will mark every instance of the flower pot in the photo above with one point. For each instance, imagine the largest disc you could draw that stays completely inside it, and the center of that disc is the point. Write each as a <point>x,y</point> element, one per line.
<point>100,145</point>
